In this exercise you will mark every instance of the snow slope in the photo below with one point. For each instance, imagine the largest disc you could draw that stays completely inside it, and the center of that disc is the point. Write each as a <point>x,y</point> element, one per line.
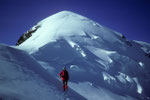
<point>66,25</point>
<point>102,63</point>
<point>23,78</point>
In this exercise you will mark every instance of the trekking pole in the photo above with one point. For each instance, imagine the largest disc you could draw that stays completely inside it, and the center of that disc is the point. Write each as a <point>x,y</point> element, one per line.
<point>60,83</point>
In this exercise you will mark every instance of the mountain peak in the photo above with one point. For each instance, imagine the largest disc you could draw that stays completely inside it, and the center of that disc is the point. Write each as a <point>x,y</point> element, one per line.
<point>50,22</point>
<point>65,25</point>
<point>65,12</point>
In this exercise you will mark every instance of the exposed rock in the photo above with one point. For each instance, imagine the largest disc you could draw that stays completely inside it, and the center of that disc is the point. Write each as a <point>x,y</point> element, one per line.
<point>27,35</point>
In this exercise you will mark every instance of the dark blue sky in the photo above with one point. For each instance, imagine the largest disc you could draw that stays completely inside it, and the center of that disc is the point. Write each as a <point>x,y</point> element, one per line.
<point>129,17</point>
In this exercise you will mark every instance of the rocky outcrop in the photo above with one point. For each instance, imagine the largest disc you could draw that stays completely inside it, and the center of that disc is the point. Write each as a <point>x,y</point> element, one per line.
<point>27,35</point>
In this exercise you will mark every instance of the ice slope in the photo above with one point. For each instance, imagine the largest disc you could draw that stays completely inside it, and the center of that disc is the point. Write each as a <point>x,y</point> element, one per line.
<point>102,63</point>
<point>23,78</point>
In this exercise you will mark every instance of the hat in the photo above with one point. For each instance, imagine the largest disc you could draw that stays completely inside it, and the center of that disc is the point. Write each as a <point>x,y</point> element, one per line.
<point>64,68</point>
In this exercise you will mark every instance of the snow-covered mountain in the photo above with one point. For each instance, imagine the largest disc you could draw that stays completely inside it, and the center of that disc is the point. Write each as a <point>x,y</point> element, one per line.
<point>102,63</point>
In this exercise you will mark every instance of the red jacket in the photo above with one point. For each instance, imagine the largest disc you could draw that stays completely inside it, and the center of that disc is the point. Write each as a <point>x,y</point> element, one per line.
<point>64,75</point>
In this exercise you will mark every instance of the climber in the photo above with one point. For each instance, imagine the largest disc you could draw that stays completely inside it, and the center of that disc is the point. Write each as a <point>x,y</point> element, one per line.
<point>64,75</point>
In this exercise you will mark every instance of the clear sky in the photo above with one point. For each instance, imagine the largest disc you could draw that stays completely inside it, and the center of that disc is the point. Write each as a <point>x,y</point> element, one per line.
<point>129,17</point>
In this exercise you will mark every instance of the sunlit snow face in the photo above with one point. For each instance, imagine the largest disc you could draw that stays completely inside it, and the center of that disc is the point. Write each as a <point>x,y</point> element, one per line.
<point>67,25</point>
